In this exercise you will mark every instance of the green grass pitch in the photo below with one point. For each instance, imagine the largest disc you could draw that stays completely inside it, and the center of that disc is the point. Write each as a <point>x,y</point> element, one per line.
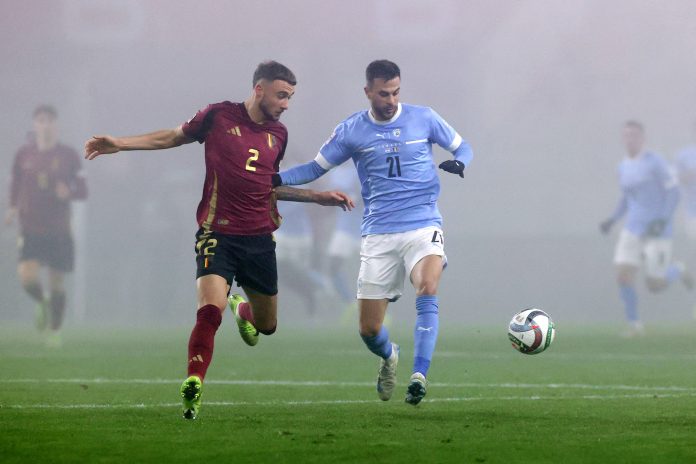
<point>309,397</point>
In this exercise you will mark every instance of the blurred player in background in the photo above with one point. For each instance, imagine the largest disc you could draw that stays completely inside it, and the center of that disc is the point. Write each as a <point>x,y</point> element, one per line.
<point>686,170</point>
<point>45,180</point>
<point>295,242</point>
<point>244,144</point>
<point>344,244</point>
<point>650,195</point>
<point>391,146</point>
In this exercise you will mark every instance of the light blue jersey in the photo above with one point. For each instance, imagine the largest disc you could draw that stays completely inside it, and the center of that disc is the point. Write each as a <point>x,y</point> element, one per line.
<point>649,193</point>
<point>394,161</point>
<point>686,168</point>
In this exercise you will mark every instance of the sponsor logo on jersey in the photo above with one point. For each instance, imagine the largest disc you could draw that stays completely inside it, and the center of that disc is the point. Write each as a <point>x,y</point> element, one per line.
<point>234,131</point>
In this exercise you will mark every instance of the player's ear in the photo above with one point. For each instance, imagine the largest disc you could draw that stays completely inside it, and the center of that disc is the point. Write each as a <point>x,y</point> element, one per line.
<point>258,90</point>
<point>367,91</point>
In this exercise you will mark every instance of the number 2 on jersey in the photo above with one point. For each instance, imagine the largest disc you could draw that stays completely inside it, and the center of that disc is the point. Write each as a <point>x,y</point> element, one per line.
<point>394,163</point>
<point>254,156</point>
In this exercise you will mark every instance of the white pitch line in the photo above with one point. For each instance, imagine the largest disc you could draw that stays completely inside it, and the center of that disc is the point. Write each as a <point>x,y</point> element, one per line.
<point>328,383</point>
<point>548,354</point>
<point>343,402</point>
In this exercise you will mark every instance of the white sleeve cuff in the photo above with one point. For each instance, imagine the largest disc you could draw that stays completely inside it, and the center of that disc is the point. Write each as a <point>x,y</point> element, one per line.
<point>321,161</point>
<point>455,143</point>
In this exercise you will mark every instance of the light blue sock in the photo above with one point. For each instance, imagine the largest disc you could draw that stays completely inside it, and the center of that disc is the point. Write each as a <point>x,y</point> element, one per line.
<point>425,332</point>
<point>630,301</point>
<point>674,272</point>
<point>379,344</point>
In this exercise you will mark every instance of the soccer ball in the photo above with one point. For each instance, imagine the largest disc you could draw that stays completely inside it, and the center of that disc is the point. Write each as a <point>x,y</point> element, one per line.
<point>531,331</point>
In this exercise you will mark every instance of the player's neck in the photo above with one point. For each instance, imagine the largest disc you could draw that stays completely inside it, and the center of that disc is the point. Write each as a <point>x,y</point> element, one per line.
<point>254,111</point>
<point>634,155</point>
<point>46,144</point>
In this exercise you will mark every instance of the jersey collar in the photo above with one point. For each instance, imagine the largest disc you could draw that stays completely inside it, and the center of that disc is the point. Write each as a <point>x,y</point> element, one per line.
<point>388,121</point>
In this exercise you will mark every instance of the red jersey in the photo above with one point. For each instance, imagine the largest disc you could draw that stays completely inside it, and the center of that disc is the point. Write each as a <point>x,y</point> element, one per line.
<point>33,188</point>
<point>240,158</point>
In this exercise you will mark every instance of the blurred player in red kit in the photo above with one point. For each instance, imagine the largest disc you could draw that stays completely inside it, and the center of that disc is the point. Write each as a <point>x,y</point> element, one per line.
<point>45,180</point>
<point>244,144</point>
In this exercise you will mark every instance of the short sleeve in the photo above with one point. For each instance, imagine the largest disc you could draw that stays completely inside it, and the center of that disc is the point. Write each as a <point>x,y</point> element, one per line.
<point>198,126</point>
<point>336,150</point>
<point>442,133</point>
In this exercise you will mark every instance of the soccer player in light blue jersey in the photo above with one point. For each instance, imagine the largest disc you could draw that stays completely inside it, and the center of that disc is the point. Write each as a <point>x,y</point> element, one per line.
<point>649,198</point>
<point>686,169</point>
<point>391,147</point>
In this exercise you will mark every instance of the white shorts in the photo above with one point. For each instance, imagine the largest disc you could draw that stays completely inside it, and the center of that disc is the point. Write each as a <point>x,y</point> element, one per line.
<point>343,244</point>
<point>633,250</point>
<point>690,226</point>
<point>386,259</point>
<point>291,247</point>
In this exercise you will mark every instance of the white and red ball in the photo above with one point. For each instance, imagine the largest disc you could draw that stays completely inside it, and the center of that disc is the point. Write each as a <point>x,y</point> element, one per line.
<point>531,331</point>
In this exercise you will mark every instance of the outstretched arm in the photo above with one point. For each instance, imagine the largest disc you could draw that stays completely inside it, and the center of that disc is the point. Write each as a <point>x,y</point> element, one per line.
<point>329,198</point>
<point>606,225</point>
<point>302,174</point>
<point>159,140</point>
<point>671,202</point>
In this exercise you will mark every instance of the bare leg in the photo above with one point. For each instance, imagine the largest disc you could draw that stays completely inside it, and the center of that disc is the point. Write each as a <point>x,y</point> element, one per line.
<point>265,310</point>
<point>28,272</point>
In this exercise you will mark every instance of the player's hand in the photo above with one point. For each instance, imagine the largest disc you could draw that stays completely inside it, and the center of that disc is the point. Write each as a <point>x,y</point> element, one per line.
<point>62,191</point>
<point>100,145</point>
<point>655,228</point>
<point>605,226</point>
<point>335,198</point>
<point>453,166</point>
<point>10,216</point>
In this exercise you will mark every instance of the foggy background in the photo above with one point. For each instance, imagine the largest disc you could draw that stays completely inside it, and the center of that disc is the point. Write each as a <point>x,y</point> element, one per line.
<point>539,88</point>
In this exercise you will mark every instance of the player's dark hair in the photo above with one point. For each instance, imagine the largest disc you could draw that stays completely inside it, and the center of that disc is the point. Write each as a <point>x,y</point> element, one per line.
<point>382,69</point>
<point>635,125</point>
<point>271,71</point>
<point>45,109</point>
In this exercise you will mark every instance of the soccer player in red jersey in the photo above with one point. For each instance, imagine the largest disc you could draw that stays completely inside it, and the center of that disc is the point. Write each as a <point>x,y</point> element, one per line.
<point>244,144</point>
<point>44,182</point>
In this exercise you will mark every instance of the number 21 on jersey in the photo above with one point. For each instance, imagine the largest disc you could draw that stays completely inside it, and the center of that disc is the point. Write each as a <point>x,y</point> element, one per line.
<point>394,166</point>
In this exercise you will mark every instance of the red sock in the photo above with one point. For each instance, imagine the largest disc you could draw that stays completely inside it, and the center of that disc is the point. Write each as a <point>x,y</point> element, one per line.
<point>245,312</point>
<point>202,341</point>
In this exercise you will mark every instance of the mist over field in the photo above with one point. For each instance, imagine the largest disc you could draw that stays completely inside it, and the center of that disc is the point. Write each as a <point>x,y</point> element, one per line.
<point>540,89</point>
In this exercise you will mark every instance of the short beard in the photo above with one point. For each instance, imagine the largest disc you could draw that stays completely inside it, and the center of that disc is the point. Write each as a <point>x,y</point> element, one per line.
<point>380,114</point>
<point>267,114</point>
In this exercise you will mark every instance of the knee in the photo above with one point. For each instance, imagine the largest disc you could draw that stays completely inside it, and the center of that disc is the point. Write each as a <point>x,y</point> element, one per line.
<point>267,331</point>
<point>28,278</point>
<point>427,287</point>
<point>655,285</point>
<point>625,278</point>
<point>370,329</point>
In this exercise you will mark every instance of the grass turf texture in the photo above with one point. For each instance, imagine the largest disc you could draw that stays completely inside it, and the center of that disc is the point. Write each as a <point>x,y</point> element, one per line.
<point>310,397</point>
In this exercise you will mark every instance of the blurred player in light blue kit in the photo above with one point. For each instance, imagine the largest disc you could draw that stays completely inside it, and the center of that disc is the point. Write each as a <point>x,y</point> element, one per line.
<point>686,169</point>
<point>391,147</point>
<point>344,245</point>
<point>650,195</point>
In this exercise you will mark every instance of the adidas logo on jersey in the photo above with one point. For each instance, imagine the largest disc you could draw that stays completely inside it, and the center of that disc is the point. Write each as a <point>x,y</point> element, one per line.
<point>234,131</point>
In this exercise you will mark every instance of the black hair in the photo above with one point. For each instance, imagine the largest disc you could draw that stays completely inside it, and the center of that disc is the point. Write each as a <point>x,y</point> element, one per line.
<point>271,71</point>
<point>382,69</point>
<point>45,109</point>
